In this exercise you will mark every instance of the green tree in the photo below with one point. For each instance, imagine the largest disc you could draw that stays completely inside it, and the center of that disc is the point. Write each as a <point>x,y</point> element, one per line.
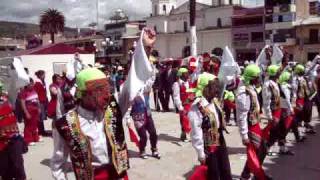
<point>52,21</point>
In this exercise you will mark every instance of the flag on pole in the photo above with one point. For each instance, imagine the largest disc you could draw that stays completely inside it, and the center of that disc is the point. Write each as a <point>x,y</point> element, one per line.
<point>229,68</point>
<point>262,59</point>
<point>14,76</point>
<point>277,55</point>
<point>140,72</point>
<point>133,137</point>
<point>23,78</point>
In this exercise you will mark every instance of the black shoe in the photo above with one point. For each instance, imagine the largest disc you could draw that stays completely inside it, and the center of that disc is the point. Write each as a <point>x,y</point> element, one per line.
<point>268,177</point>
<point>156,154</point>
<point>143,155</point>
<point>183,136</point>
<point>310,131</point>
<point>301,139</point>
<point>287,153</point>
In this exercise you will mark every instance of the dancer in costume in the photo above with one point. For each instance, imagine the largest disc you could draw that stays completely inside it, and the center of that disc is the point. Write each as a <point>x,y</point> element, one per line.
<point>207,120</point>
<point>11,142</point>
<point>92,133</point>
<point>248,118</point>
<point>183,100</point>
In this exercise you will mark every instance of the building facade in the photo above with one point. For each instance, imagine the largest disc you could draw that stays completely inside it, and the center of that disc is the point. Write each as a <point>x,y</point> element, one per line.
<point>280,17</point>
<point>248,34</point>
<point>295,25</point>
<point>308,31</point>
<point>120,36</point>
<point>213,21</point>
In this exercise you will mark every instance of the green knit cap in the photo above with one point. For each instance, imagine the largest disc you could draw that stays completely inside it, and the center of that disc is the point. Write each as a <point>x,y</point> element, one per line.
<point>181,71</point>
<point>251,72</point>
<point>273,70</point>
<point>284,77</point>
<point>299,69</point>
<point>229,95</point>
<point>203,81</point>
<point>86,75</point>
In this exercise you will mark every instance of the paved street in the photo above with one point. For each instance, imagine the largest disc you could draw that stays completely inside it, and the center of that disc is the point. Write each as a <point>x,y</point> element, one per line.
<point>179,159</point>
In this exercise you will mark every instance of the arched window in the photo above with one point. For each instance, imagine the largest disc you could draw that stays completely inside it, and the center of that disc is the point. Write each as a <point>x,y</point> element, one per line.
<point>164,8</point>
<point>219,23</point>
<point>185,26</point>
<point>155,10</point>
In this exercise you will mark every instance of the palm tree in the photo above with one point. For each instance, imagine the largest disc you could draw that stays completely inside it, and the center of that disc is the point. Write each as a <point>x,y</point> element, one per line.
<point>52,21</point>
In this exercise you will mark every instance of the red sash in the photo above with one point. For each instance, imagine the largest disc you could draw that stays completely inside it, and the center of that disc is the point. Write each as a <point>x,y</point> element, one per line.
<point>133,137</point>
<point>254,163</point>
<point>299,105</point>
<point>266,131</point>
<point>200,173</point>
<point>230,104</point>
<point>186,102</point>
<point>288,122</point>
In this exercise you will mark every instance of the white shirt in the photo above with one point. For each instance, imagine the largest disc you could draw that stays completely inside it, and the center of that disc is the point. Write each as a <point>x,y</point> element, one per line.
<point>92,125</point>
<point>195,118</point>
<point>243,104</point>
<point>176,93</point>
<point>285,102</point>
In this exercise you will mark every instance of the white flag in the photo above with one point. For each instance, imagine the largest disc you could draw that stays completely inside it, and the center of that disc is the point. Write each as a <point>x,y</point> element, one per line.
<point>229,68</point>
<point>14,77</point>
<point>140,72</point>
<point>23,78</point>
<point>262,58</point>
<point>277,55</point>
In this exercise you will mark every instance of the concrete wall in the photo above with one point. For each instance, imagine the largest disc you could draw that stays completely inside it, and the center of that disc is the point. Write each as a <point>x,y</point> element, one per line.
<point>161,22</point>
<point>224,13</point>
<point>176,22</point>
<point>214,38</point>
<point>302,49</point>
<point>171,45</point>
<point>46,63</point>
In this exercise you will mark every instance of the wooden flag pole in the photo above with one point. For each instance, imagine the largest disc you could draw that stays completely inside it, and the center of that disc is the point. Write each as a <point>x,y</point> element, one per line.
<point>193,29</point>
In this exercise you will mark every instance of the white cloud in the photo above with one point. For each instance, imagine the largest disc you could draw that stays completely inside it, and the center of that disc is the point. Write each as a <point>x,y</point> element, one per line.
<point>79,13</point>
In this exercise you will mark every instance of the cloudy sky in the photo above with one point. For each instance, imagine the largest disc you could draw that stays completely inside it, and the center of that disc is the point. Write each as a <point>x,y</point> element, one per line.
<point>78,13</point>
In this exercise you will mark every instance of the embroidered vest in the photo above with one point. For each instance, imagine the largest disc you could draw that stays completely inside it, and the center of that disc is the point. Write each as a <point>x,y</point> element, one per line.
<point>303,91</point>
<point>79,144</point>
<point>253,115</point>
<point>210,129</point>
<point>275,97</point>
<point>311,90</point>
<point>8,123</point>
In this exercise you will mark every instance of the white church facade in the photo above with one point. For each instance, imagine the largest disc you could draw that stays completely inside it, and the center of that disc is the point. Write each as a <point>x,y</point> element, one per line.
<point>213,21</point>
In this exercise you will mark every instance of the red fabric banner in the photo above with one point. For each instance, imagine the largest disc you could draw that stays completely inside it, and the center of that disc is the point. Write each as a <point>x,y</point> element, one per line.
<point>253,163</point>
<point>266,131</point>
<point>200,173</point>
<point>133,137</point>
<point>288,122</point>
<point>184,120</point>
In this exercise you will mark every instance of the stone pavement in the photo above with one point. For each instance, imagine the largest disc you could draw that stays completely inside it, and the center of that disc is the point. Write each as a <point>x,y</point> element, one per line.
<point>179,159</point>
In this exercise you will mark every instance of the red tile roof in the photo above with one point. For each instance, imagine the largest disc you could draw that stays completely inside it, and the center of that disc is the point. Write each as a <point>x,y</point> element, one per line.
<point>59,48</point>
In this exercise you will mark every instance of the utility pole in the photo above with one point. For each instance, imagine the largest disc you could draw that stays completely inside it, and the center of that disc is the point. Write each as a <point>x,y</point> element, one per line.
<point>193,29</point>
<point>97,4</point>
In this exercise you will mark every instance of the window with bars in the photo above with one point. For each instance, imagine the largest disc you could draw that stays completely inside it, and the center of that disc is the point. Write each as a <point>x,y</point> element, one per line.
<point>314,8</point>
